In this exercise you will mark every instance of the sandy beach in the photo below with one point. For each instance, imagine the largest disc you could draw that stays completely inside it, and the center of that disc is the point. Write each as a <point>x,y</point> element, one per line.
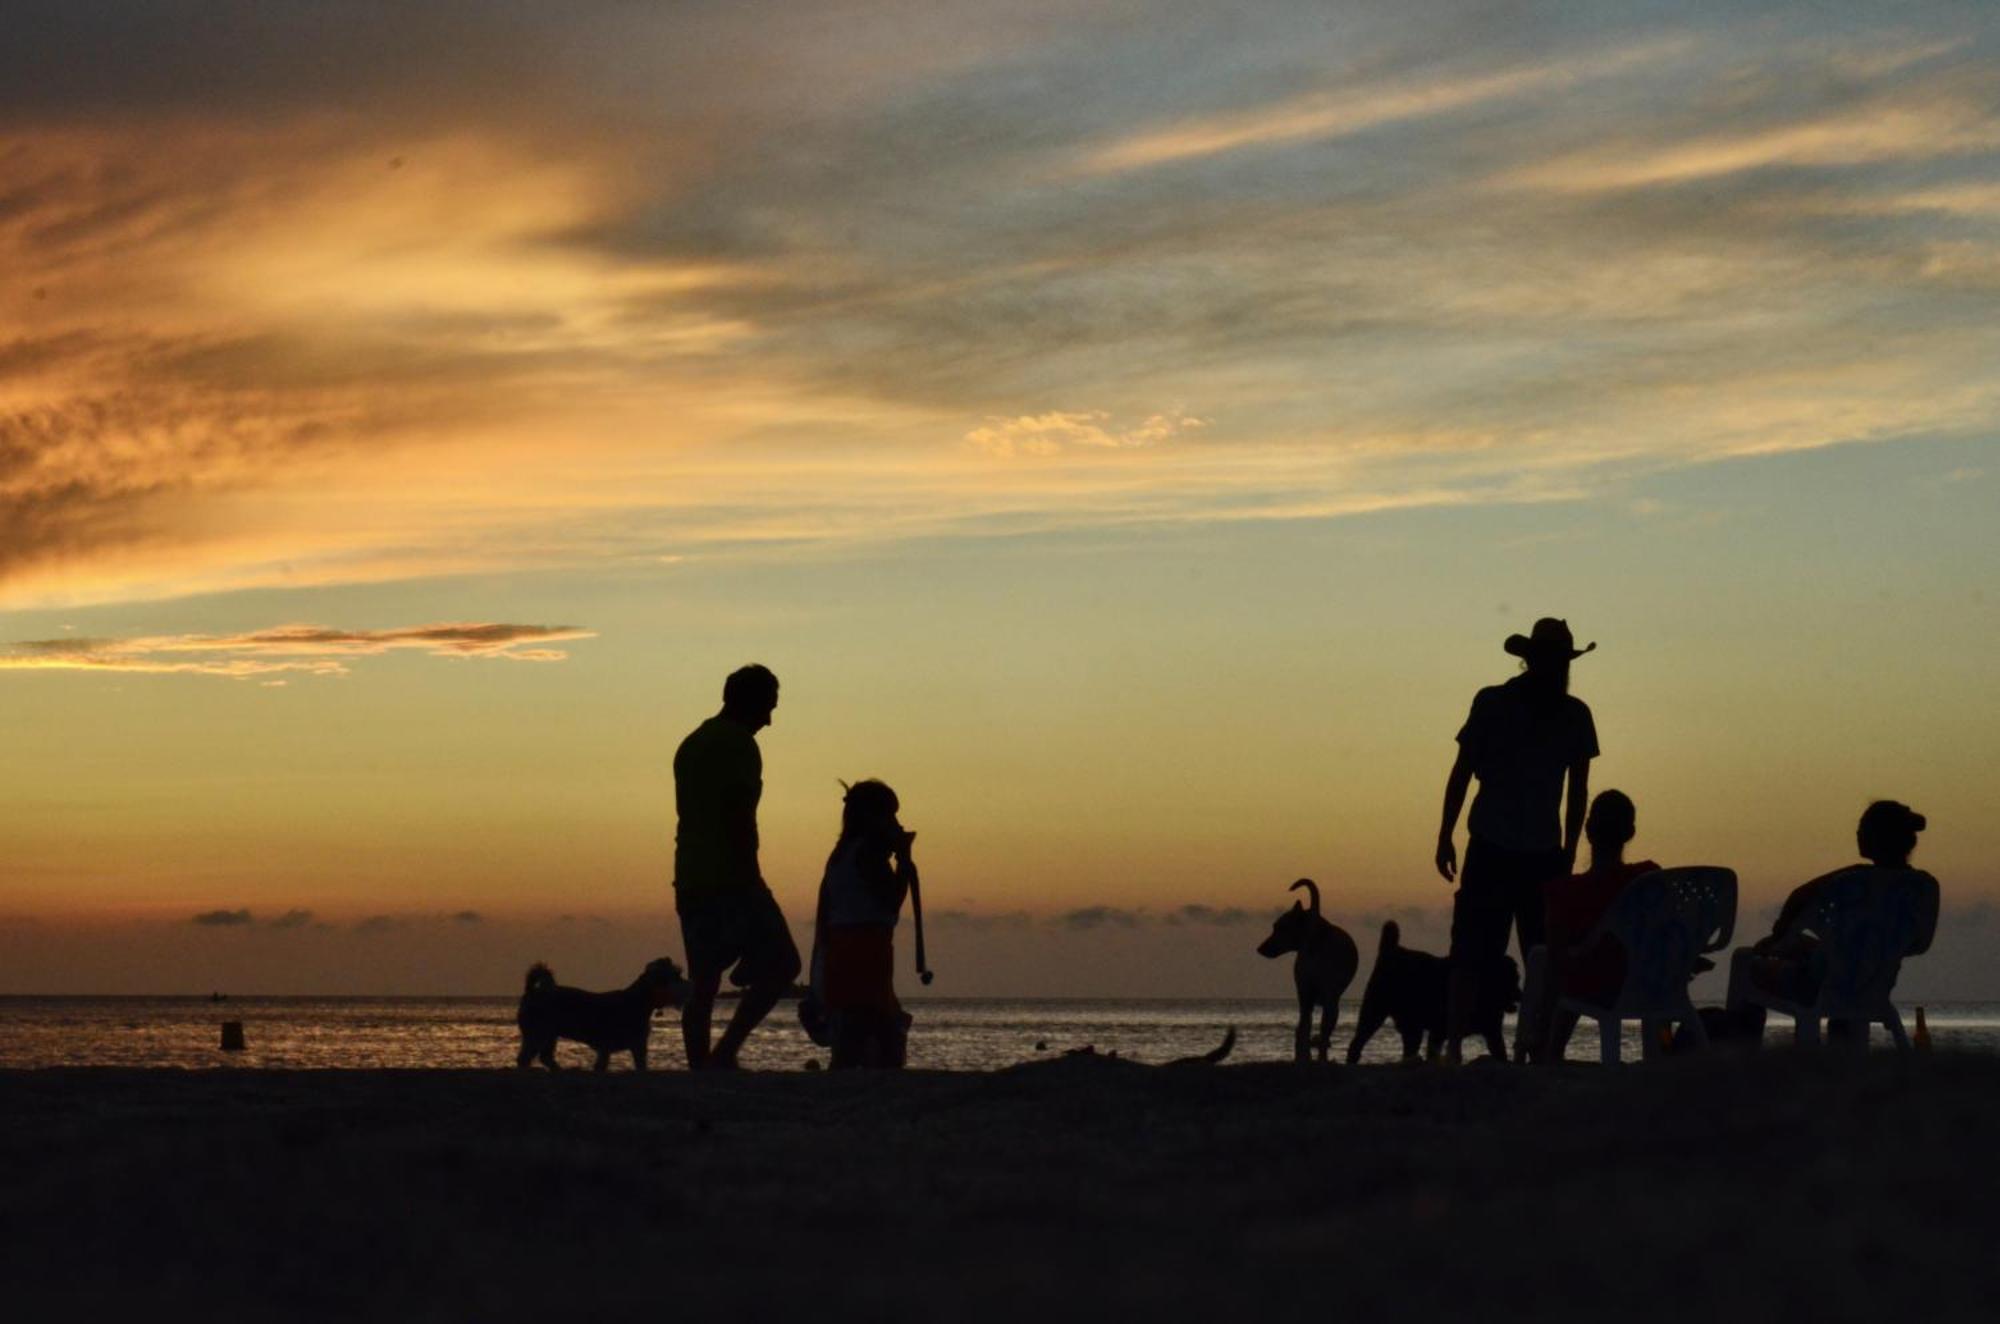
<point>1772,1188</point>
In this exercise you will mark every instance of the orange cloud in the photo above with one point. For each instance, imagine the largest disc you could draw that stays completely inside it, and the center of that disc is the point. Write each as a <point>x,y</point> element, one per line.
<point>313,649</point>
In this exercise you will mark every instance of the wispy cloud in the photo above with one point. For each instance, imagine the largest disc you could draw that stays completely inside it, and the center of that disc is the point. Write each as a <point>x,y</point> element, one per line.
<point>1058,431</point>
<point>1221,917</point>
<point>406,310</point>
<point>313,649</point>
<point>1353,108</point>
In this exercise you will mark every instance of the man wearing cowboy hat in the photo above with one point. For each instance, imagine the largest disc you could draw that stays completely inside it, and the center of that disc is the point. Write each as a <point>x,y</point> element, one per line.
<point>1523,739</point>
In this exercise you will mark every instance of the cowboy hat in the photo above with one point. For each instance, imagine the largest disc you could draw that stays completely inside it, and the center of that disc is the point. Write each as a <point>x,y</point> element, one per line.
<point>1549,638</point>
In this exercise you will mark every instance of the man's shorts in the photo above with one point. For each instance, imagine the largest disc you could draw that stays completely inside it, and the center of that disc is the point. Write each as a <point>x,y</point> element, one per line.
<point>1499,890</point>
<point>740,927</point>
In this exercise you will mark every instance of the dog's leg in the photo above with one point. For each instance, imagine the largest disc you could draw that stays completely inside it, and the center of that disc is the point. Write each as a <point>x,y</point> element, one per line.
<point>1329,1012</point>
<point>1302,1037</point>
<point>1364,1030</point>
<point>548,1055</point>
<point>527,1055</point>
<point>639,1056</point>
<point>603,1061</point>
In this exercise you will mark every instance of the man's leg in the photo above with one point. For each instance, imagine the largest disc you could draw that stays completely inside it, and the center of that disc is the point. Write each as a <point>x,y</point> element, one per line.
<point>1531,1024</point>
<point>702,989</point>
<point>1479,923</point>
<point>1530,923</point>
<point>751,1009</point>
<point>772,962</point>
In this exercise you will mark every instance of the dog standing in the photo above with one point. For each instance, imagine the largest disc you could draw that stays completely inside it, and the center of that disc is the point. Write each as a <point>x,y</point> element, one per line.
<point>1322,970</point>
<point>619,1022</point>
<point>1413,989</point>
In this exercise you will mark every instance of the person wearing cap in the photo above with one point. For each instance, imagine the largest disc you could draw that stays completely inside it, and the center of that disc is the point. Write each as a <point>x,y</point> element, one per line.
<point>1523,740</point>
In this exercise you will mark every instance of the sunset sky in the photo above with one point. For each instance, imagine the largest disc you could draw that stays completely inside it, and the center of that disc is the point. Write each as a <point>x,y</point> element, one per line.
<point>1129,428</point>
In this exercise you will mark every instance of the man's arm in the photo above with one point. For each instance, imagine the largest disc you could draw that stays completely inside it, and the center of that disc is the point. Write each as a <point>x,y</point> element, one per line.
<point>1454,801</point>
<point>1576,810</point>
<point>740,828</point>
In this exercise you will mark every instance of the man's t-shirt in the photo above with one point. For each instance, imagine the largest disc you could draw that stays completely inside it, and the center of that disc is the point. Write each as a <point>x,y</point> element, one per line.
<point>1575,906</point>
<point>1521,746</point>
<point>718,779</point>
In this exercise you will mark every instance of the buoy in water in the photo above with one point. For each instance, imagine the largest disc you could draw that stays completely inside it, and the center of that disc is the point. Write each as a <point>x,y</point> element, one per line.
<point>232,1036</point>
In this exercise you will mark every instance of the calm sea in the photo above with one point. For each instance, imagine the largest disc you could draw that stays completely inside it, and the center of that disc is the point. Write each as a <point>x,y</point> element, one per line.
<point>956,1034</point>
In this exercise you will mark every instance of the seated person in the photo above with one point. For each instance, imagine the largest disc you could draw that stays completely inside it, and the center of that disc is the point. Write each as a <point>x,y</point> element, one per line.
<point>1574,907</point>
<point>1787,960</point>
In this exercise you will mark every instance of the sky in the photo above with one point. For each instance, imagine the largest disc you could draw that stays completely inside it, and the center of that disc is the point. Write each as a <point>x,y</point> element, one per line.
<point>1131,429</point>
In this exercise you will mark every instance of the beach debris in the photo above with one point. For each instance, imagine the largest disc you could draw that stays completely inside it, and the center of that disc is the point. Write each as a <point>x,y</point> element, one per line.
<point>232,1037</point>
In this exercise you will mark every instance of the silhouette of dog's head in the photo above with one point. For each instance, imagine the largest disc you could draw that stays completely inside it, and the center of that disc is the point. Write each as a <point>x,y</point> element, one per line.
<point>1288,933</point>
<point>664,983</point>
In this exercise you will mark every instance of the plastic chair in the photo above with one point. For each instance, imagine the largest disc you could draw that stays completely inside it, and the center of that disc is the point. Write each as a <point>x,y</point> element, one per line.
<point>1663,920</point>
<point>1867,920</point>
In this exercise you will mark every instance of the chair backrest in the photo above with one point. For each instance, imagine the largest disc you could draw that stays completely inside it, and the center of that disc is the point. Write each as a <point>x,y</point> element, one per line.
<point>1664,919</point>
<point>1868,919</point>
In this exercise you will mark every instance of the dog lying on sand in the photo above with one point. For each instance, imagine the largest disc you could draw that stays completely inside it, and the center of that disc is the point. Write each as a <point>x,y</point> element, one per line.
<point>1321,971</point>
<point>619,1022</point>
<point>1413,988</point>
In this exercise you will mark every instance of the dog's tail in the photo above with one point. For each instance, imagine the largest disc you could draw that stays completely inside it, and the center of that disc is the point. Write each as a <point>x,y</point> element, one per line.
<point>540,980</point>
<point>1312,892</point>
<point>1212,1056</point>
<point>1392,938</point>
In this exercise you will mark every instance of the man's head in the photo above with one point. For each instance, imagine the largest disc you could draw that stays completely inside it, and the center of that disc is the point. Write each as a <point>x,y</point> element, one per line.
<point>1888,833</point>
<point>1613,821</point>
<point>750,695</point>
<point>1547,650</point>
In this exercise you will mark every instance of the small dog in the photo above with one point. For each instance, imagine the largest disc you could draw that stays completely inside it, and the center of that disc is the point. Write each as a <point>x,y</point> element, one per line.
<point>1322,970</point>
<point>1413,989</point>
<point>619,1022</point>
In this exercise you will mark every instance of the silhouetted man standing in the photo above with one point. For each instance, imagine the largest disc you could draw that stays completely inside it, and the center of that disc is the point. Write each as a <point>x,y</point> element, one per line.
<point>728,916</point>
<point>1522,739</point>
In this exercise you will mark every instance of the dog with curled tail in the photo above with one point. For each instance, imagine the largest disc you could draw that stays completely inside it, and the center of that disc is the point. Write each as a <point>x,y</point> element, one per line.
<point>616,1022</point>
<point>1322,968</point>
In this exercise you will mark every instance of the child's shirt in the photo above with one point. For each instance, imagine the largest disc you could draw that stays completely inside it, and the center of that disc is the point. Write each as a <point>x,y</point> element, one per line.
<point>861,887</point>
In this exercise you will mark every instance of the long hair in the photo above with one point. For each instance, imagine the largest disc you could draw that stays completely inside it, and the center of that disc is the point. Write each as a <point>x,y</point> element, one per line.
<point>864,804</point>
<point>1546,681</point>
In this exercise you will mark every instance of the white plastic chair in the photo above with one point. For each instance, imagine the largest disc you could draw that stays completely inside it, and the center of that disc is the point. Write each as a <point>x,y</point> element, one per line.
<point>1663,920</point>
<point>1867,920</point>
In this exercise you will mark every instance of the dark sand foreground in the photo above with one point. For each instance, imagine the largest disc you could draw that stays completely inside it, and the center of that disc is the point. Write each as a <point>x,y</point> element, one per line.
<point>1775,1188</point>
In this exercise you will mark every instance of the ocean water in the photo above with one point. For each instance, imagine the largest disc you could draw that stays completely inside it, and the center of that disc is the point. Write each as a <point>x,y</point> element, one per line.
<point>962,1034</point>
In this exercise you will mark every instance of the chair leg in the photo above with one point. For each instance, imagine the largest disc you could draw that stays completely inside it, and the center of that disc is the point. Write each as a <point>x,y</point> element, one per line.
<point>1894,1020</point>
<point>1807,1032</point>
<point>1608,1031</point>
